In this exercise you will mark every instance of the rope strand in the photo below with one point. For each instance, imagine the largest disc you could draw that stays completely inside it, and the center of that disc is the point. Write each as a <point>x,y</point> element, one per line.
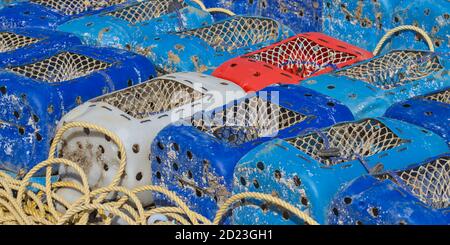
<point>388,34</point>
<point>214,10</point>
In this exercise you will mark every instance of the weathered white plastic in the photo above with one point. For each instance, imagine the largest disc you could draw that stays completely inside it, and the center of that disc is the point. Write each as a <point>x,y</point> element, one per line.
<point>101,163</point>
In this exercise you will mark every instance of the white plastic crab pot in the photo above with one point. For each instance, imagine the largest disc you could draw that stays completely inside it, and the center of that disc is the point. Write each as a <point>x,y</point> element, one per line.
<point>136,115</point>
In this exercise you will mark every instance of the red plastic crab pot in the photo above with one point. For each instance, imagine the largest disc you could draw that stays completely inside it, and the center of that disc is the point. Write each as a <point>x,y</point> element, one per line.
<point>290,61</point>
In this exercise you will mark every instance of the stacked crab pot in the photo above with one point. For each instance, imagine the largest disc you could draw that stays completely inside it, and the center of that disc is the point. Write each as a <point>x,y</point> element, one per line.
<point>196,158</point>
<point>23,45</point>
<point>431,111</point>
<point>36,93</point>
<point>301,16</point>
<point>290,61</point>
<point>308,170</point>
<point>364,23</point>
<point>209,104</point>
<point>415,195</point>
<point>136,115</point>
<point>370,87</point>
<point>205,48</point>
<point>129,25</point>
<point>4,3</point>
<point>49,13</point>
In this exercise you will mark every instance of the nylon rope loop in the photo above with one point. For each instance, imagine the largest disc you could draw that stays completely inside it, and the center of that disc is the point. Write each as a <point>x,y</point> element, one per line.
<point>99,129</point>
<point>214,10</point>
<point>388,34</point>
<point>122,164</point>
<point>265,197</point>
<point>221,10</point>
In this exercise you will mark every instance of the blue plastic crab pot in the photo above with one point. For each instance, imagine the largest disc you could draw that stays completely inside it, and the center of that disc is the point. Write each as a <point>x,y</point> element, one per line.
<point>430,111</point>
<point>416,195</point>
<point>196,159</point>
<point>357,22</point>
<point>308,170</point>
<point>127,25</point>
<point>205,48</point>
<point>18,46</point>
<point>35,95</point>
<point>49,13</point>
<point>4,3</point>
<point>431,16</point>
<point>370,87</point>
<point>301,16</point>
<point>364,23</point>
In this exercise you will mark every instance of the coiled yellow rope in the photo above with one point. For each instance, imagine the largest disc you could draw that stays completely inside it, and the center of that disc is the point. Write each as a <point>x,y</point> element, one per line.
<point>388,34</point>
<point>214,10</point>
<point>20,205</point>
